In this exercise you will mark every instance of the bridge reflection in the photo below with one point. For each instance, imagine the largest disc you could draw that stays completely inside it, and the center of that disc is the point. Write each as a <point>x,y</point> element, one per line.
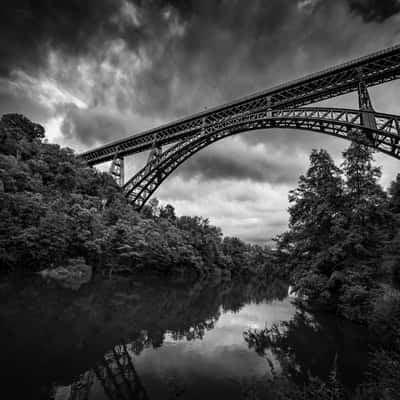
<point>115,378</point>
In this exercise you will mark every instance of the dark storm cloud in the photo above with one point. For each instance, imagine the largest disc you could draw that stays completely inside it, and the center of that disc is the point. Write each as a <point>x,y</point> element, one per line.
<point>214,29</point>
<point>377,10</point>
<point>29,29</point>
<point>91,127</point>
<point>234,159</point>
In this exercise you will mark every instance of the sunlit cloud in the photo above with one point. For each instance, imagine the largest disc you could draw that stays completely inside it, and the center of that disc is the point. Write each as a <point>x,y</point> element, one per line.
<point>43,90</point>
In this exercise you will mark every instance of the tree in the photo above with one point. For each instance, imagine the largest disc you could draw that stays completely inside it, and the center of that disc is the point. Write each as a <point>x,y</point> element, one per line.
<point>168,212</point>
<point>364,230</point>
<point>394,196</point>
<point>337,230</point>
<point>365,200</point>
<point>316,208</point>
<point>391,262</point>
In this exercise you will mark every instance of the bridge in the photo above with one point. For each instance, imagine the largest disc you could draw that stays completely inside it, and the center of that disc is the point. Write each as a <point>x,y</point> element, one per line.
<point>284,106</point>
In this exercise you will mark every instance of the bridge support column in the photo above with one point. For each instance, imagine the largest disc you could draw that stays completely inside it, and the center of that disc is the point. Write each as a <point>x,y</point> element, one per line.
<point>154,155</point>
<point>365,104</point>
<point>117,169</point>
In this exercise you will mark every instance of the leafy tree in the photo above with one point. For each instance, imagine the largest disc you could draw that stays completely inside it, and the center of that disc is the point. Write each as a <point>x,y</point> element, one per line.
<point>168,212</point>
<point>338,227</point>
<point>365,204</point>
<point>363,231</point>
<point>316,209</point>
<point>391,262</point>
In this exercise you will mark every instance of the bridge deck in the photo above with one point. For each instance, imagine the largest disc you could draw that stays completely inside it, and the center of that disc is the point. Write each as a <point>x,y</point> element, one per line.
<point>376,68</point>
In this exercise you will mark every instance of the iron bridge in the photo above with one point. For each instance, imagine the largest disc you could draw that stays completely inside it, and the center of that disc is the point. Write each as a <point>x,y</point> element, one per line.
<point>284,106</point>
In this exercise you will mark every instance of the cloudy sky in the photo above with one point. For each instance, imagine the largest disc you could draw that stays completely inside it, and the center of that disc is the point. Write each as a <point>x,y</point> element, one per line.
<point>92,71</point>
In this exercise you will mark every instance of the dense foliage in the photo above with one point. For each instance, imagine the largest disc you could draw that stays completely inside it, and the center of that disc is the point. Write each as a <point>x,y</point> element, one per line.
<point>343,231</point>
<point>342,253</point>
<point>55,210</point>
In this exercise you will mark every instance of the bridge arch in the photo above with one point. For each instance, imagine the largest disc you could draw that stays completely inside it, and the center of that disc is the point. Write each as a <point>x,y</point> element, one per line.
<point>383,134</point>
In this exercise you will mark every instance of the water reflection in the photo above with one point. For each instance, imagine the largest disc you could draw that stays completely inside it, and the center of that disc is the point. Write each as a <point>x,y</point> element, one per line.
<point>182,339</point>
<point>115,378</point>
<point>310,344</point>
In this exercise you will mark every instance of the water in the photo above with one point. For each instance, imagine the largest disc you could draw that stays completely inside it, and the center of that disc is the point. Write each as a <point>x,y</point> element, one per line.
<point>165,340</point>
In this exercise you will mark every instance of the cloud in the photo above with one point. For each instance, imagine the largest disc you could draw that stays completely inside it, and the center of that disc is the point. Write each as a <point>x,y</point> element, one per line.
<point>91,126</point>
<point>253,211</point>
<point>378,10</point>
<point>159,60</point>
<point>30,30</point>
<point>14,98</point>
<point>234,158</point>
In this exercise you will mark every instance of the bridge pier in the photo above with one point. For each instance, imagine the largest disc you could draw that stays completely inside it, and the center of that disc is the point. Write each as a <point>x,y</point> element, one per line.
<point>117,170</point>
<point>154,156</point>
<point>365,104</point>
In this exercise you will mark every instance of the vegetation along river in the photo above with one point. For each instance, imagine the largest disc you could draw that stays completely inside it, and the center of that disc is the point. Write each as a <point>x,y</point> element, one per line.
<point>125,338</point>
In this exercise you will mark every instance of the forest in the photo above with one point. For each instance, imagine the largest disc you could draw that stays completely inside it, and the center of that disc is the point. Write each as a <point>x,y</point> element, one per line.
<point>56,211</point>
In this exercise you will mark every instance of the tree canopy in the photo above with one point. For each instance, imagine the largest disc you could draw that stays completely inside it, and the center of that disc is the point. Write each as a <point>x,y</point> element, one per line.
<point>343,232</point>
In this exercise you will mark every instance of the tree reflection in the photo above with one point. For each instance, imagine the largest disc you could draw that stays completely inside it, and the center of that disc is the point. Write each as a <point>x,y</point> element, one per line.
<point>308,345</point>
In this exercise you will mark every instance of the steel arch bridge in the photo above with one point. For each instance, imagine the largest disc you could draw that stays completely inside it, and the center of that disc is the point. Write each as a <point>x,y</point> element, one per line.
<point>281,107</point>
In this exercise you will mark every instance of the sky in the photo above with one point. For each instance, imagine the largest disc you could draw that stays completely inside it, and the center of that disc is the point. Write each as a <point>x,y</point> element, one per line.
<point>98,70</point>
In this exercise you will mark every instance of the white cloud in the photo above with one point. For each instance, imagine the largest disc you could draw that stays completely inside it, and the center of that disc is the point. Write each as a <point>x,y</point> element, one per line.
<point>53,130</point>
<point>44,90</point>
<point>252,211</point>
<point>130,13</point>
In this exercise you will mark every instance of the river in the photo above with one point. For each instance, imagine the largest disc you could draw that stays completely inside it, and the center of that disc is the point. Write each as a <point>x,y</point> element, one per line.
<point>126,338</point>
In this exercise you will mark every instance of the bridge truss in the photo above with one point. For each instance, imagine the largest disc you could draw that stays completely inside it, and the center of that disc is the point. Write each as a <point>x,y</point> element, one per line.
<point>279,107</point>
<point>332,121</point>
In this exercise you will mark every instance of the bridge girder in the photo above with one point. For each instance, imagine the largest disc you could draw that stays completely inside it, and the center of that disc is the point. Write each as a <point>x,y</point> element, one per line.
<point>383,135</point>
<point>373,69</point>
